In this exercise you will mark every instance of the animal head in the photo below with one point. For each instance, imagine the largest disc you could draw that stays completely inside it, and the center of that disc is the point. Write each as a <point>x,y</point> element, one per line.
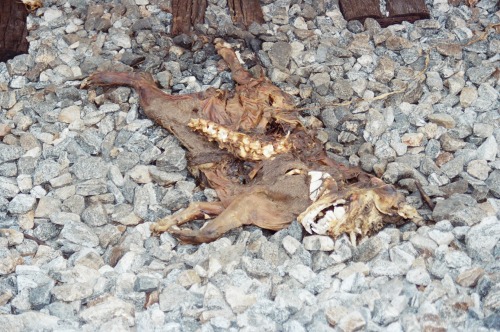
<point>358,210</point>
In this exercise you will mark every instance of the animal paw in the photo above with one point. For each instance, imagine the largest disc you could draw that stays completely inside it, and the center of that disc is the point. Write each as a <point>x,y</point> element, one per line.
<point>163,225</point>
<point>185,235</point>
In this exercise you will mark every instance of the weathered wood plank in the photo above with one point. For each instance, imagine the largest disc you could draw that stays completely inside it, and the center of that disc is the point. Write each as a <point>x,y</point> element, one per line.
<point>187,13</point>
<point>245,12</point>
<point>403,10</point>
<point>13,29</point>
<point>398,10</point>
<point>360,10</point>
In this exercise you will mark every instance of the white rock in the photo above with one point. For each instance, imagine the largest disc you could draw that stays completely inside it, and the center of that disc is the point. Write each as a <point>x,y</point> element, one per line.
<point>140,174</point>
<point>302,273</point>
<point>488,150</point>
<point>108,309</point>
<point>120,39</point>
<point>482,238</point>
<point>291,244</point>
<point>418,276</point>
<point>52,14</point>
<point>319,242</point>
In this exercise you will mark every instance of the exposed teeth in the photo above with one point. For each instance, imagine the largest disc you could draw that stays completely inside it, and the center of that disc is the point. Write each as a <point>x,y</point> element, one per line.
<point>315,175</point>
<point>338,212</point>
<point>307,217</point>
<point>323,224</point>
<point>244,146</point>
<point>316,187</point>
<point>339,202</point>
<point>329,215</point>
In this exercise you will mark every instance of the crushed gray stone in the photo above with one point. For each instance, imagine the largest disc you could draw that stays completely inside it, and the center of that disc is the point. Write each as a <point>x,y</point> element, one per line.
<point>83,174</point>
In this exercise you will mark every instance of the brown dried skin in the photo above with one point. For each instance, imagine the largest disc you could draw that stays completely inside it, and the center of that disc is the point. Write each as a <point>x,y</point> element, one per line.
<point>226,135</point>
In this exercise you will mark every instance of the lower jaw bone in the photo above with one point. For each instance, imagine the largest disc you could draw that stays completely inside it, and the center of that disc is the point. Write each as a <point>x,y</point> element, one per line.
<point>334,215</point>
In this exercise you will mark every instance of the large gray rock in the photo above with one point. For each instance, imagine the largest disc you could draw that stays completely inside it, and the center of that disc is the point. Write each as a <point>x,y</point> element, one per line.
<point>493,183</point>
<point>10,152</point>
<point>80,233</point>
<point>280,54</point>
<point>29,321</point>
<point>170,295</point>
<point>107,310</point>
<point>86,168</point>
<point>45,171</point>
<point>460,209</point>
<point>22,203</point>
<point>482,238</point>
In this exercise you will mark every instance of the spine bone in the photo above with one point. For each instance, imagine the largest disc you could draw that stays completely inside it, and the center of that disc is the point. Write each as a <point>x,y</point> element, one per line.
<point>243,145</point>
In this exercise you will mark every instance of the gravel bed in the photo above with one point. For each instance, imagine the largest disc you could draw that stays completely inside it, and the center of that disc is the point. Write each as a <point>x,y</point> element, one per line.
<point>83,174</point>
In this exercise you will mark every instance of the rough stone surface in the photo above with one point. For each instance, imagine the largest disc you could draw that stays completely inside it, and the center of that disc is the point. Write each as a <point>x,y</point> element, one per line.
<point>83,173</point>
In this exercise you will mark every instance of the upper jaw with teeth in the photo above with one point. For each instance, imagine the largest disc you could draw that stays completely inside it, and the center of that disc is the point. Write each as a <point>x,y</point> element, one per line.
<point>355,210</point>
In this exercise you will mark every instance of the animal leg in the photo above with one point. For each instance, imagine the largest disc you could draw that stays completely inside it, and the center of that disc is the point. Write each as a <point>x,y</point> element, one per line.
<point>108,78</point>
<point>151,97</point>
<point>196,210</point>
<point>240,75</point>
<point>246,209</point>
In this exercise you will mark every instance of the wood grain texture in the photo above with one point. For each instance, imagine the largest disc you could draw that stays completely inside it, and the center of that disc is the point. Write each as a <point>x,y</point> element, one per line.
<point>187,13</point>
<point>403,10</point>
<point>397,11</point>
<point>13,29</point>
<point>245,12</point>
<point>360,10</point>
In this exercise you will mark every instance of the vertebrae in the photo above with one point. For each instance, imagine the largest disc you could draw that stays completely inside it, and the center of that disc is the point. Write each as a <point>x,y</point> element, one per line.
<point>242,145</point>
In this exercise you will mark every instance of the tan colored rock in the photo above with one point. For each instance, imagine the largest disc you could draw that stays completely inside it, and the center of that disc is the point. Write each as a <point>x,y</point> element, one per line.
<point>443,158</point>
<point>468,96</point>
<point>188,278</point>
<point>352,322</point>
<point>447,49</point>
<point>238,300</point>
<point>442,119</point>
<point>46,207</point>
<point>140,174</point>
<point>4,129</point>
<point>412,139</point>
<point>69,114</point>
<point>358,267</point>
<point>335,314</point>
<point>469,278</point>
<point>27,220</point>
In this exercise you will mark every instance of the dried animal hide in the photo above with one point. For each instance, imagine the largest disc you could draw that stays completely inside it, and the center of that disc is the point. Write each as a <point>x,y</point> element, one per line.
<point>266,168</point>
